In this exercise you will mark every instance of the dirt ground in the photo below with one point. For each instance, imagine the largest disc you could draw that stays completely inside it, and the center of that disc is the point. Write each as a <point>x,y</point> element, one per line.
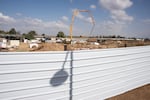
<point>141,93</point>
<point>24,47</point>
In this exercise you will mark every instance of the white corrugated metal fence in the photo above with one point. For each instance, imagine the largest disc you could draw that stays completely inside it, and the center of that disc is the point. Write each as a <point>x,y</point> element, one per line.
<point>73,75</point>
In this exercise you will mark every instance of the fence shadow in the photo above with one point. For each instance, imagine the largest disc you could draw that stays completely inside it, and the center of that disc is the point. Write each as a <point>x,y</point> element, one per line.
<point>61,76</point>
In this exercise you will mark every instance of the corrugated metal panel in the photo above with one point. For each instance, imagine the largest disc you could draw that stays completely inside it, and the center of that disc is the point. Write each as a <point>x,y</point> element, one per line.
<point>73,75</point>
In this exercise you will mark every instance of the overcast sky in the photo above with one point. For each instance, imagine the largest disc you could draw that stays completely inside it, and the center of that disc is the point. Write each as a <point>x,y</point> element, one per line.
<point>130,18</point>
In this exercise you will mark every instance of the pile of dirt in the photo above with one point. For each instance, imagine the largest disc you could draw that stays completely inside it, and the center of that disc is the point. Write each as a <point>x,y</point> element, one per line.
<point>51,47</point>
<point>23,47</point>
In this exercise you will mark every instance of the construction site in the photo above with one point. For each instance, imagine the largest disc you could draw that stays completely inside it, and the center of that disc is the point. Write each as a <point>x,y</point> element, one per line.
<point>72,43</point>
<point>40,43</point>
<point>25,47</point>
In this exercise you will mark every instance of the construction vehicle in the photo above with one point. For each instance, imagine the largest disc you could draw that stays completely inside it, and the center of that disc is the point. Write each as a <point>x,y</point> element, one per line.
<point>75,13</point>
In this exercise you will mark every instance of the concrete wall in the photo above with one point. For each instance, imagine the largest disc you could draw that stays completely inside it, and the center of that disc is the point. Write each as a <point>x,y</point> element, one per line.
<point>73,75</point>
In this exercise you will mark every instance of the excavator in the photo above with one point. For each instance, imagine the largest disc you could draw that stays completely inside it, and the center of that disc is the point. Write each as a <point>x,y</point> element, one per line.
<point>75,13</point>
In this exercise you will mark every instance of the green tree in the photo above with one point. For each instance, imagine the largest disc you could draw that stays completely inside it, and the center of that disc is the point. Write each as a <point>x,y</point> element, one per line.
<point>12,31</point>
<point>30,35</point>
<point>60,34</point>
<point>32,32</point>
<point>2,32</point>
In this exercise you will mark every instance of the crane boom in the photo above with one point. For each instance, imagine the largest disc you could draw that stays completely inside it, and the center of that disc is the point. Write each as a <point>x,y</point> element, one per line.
<point>75,13</point>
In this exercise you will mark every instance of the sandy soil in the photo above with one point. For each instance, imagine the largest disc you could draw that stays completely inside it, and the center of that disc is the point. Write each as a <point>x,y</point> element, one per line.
<point>141,93</point>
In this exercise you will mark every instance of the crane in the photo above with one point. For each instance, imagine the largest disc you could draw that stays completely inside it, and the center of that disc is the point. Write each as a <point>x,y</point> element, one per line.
<point>75,13</point>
